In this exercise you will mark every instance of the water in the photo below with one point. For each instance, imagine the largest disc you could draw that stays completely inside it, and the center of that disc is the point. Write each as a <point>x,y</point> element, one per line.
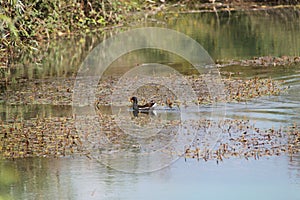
<point>270,111</point>
<point>234,36</point>
<point>268,178</point>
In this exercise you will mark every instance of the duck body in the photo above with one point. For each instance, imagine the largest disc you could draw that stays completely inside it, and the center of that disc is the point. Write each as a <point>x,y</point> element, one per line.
<point>145,107</point>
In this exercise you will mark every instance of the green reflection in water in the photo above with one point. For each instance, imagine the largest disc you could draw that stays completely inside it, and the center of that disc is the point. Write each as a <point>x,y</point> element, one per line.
<point>23,112</point>
<point>34,178</point>
<point>8,176</point>
<point>242,34</point>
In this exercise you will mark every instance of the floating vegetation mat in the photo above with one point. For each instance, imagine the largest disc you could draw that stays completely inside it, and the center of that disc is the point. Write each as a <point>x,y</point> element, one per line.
<point>243,140</point>
<point>56,91</point>
<point>39,138</point>
<point>238,90</point>
<point>266,61</point>
<point>59,91</point>
<point>57,137</point>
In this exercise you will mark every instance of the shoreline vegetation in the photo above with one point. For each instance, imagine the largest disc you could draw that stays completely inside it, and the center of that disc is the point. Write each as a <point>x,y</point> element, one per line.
<point>27,23</point>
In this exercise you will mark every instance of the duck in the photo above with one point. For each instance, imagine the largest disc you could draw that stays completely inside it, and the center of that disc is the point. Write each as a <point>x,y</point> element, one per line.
<point>145,107</point>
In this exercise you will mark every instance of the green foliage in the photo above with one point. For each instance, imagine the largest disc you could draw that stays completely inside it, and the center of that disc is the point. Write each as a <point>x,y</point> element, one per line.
<point>6,21</point>
<point>38,19</point>
<point>23,23</point>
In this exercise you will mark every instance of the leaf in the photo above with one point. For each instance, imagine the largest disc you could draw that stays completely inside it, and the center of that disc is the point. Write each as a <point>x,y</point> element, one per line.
<point>11,25</point>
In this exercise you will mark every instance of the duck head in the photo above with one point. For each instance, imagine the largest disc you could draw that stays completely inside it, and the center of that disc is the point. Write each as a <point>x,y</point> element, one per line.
<point>134,102</point>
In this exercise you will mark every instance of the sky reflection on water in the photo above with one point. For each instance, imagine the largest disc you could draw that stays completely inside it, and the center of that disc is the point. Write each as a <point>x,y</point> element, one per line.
<point>79,178</point>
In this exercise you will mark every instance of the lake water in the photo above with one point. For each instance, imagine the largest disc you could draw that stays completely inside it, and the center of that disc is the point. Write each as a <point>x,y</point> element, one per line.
<point>227,36</point>
<point>268,178</point>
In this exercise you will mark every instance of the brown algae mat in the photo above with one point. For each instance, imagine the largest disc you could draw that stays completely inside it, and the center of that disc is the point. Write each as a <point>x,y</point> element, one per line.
<point>264,61</point>
<point>57,137</point>
<point>59,91</point>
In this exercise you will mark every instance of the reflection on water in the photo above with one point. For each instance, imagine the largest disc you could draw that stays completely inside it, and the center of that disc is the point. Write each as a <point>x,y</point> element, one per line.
<point>294,170</point>
<point>242,34</point>
<point>238,35</point>
<point>25,112</point>
<point>87,179</point>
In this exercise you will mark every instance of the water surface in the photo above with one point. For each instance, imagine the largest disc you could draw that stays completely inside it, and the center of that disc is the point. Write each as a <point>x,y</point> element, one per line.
<point>79,178</point>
